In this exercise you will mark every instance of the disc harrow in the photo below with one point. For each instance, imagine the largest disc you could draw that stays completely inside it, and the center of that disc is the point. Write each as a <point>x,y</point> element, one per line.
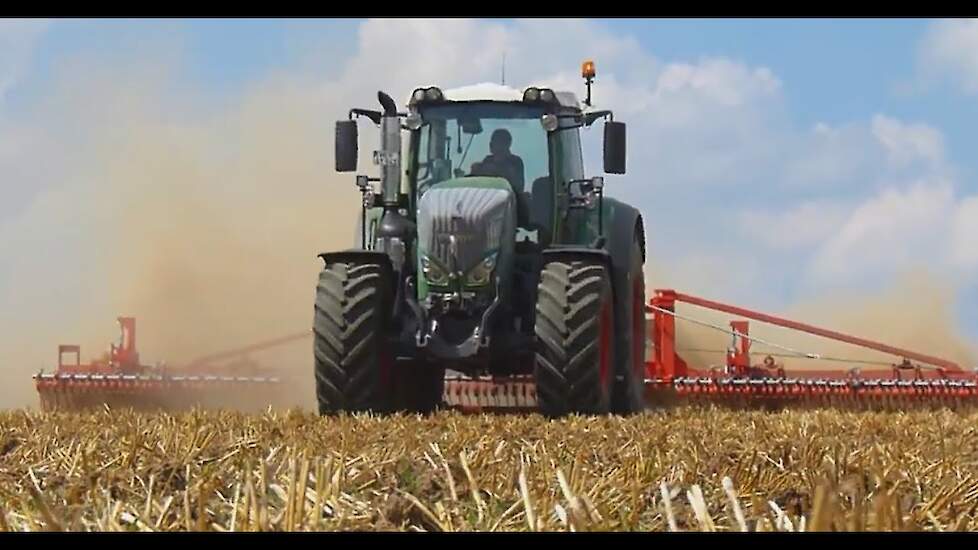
<point>118,379</point>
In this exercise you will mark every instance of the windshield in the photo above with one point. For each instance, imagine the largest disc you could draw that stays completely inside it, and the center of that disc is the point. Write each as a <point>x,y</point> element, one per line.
<point>487,139</point>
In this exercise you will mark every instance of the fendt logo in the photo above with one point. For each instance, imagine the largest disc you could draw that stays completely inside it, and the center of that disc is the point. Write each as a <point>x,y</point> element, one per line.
<point>461,239</point>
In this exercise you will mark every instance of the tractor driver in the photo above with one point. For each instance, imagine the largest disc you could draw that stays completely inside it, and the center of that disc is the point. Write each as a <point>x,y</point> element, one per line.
<point>501,162</point>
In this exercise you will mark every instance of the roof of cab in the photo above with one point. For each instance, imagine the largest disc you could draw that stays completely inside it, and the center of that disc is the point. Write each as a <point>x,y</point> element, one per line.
<point>488,91</point>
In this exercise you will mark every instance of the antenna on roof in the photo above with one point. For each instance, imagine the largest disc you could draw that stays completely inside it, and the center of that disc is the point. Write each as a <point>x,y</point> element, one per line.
<point>503,78</point>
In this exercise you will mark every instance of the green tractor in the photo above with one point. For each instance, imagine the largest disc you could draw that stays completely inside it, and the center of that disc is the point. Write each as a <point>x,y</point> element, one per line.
<point>484,252</point>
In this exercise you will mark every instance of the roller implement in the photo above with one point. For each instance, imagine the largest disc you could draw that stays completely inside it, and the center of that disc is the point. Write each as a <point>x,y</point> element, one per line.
<point>489,272</point>
<point>120,379</point>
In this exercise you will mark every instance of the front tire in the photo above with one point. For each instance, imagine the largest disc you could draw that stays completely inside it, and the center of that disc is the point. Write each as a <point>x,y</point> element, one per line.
<point>353,370</point>
<point>574,359</point>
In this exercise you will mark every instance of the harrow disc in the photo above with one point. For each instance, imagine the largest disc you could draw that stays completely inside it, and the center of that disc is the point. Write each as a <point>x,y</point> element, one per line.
<point>874,394</point>
<point>78,392</point>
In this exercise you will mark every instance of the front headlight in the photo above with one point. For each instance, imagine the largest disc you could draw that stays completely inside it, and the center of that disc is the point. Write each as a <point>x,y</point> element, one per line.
<point>433,272</point>
<point>481,273</point>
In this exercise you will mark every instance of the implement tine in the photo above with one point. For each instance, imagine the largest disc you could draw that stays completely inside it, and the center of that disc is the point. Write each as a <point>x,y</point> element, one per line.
<point>851,392</point>
<point>487,393</point>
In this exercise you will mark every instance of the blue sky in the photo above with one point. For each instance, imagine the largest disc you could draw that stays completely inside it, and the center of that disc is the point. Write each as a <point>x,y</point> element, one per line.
<point>778,161</point>
<point>833,71</point>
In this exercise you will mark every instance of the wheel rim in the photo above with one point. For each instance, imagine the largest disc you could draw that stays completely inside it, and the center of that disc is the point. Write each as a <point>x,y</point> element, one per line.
<point>604,349</point>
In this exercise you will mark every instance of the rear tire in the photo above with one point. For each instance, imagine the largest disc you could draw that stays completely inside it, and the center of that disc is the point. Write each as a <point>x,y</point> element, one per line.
<point>630,391</point>
<point>574,362</point>
<point>353,370</point>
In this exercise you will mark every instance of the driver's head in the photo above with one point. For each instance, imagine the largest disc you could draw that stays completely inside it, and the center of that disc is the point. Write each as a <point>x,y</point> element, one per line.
<point>500,142</point>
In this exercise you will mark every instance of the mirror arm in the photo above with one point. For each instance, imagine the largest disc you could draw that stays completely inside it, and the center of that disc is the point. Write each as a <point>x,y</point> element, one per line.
<point>590,118</point>
<point>374,116</point>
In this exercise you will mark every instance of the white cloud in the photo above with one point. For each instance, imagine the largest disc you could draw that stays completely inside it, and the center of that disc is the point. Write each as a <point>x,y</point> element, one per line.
<point>874,200</point>
<point>719,80</point>
<point>906,143</point>
<point>830,157</point>
<point>897,229</point>
<point>712,123</point>
<point>949,50</point>
<point>852,156</point>
<point>807,224</point>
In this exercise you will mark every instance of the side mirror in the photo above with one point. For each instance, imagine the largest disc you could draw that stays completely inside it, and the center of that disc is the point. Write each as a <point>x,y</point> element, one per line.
<point>346,146</point>
<point>614,147</point>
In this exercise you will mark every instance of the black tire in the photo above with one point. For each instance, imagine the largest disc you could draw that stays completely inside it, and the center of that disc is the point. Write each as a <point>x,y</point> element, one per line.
<point>353,370</point>
<point>574,358</point>
<point>629,397</point>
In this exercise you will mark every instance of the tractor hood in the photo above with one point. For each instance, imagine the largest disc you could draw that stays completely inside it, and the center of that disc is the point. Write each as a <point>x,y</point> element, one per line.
<point>464,223</point>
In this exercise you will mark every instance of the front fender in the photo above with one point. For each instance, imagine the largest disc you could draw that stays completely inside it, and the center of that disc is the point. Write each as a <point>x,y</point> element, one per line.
<point>359,256</point>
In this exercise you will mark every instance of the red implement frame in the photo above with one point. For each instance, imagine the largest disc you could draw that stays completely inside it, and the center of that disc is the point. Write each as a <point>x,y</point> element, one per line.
<point>933,378</point>
<point>119,379</point>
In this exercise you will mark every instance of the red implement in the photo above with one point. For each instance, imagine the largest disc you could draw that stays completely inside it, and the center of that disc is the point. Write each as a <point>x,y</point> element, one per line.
<point>119,379</point>
<point>913,379</point>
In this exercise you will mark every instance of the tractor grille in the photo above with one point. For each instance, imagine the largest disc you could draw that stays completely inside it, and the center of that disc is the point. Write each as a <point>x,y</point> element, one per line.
<point>477,218</point>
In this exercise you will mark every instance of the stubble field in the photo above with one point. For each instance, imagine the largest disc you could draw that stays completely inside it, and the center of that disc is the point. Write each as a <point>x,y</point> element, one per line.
<point>685,469</point>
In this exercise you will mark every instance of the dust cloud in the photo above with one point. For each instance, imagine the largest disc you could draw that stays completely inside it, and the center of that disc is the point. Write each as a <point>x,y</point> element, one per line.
<point>205,227</point>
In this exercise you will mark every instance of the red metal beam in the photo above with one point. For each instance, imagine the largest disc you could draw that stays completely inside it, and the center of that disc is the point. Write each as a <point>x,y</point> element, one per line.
<point>949,366</point>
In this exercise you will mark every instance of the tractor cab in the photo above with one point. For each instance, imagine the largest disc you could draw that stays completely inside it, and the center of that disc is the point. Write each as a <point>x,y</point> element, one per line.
<point>528,138</point>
